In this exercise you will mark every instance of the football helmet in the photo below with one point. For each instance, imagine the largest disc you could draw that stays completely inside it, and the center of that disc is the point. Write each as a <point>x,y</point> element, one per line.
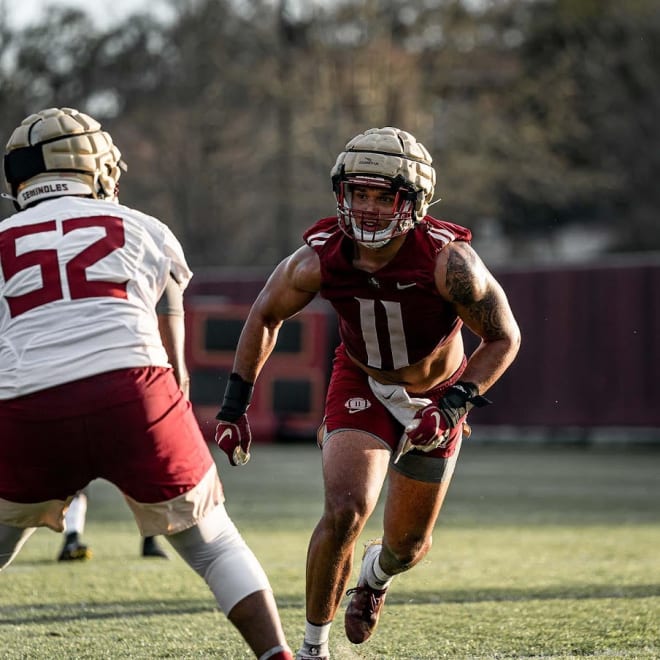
<point>383,158</point>
<point>61,151</point>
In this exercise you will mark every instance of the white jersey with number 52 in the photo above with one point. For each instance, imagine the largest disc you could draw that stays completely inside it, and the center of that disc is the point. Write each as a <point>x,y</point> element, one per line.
<point>79,282</point>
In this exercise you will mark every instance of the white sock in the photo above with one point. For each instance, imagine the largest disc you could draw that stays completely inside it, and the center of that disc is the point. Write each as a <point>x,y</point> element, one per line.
<point>317,635</point>
<point>377,578</point>
<point>74,518</point>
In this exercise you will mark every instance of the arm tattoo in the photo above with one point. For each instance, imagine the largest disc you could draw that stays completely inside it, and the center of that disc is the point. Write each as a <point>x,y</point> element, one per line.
<point>460,277</point>
<point>481,308</point>
<point>487,315</point>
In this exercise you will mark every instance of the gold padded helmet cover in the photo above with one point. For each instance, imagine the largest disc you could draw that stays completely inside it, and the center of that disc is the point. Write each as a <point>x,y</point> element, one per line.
<point>66,153</point>
<point>390,152</point>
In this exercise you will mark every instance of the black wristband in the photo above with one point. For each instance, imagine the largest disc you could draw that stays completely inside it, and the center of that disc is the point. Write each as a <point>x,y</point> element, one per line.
<point>238,395</point>
<point>471,393</point>
<point>459,399</point>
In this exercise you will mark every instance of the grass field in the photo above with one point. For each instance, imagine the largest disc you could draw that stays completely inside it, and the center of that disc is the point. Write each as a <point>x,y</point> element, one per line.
<point>540,552</point>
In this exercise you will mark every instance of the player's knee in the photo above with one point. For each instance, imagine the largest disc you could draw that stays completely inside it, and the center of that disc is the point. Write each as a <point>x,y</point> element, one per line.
<point>344,521</point>
<point>217,552</point>
<point>408,551</point>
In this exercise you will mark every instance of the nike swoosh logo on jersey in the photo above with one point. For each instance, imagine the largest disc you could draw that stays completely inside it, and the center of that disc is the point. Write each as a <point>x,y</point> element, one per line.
<point>405,286</point>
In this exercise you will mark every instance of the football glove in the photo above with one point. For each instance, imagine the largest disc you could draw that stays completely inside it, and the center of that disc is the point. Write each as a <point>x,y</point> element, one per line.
<point>431,424</point>
<point>234,438</point>
<point>233,434</point>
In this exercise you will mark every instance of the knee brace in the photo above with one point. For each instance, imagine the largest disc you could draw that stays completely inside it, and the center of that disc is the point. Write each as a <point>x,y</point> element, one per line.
<point>216,551</point>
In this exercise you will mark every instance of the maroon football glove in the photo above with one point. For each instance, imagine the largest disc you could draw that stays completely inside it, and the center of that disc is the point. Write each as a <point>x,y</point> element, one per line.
<point>233,434</point>
<point>428,428</point>
<point>234,439</point>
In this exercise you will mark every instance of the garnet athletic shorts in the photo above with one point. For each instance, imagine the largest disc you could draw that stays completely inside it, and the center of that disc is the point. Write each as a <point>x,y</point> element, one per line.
<point>351,405</point>
<point>132,427</point>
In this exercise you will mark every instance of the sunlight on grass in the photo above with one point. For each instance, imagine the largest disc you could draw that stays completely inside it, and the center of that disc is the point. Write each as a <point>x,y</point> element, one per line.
<point>508,577</point>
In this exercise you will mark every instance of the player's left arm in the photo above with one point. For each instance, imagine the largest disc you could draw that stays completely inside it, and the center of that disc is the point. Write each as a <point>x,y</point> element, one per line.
<point>169,310</point>
<point>463,279</point>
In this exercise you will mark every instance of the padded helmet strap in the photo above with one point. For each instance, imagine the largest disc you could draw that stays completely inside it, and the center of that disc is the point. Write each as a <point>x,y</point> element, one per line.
<point>24,163</point>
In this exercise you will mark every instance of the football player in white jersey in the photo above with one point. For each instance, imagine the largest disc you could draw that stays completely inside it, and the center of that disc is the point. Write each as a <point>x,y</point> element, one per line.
<point>86,386</point>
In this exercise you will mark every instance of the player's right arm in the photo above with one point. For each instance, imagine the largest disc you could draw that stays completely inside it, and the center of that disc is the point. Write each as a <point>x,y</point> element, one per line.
<point>291,286</point>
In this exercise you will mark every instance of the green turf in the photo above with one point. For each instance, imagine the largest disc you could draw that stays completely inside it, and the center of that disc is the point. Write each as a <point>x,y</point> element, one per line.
<point>540,552</point>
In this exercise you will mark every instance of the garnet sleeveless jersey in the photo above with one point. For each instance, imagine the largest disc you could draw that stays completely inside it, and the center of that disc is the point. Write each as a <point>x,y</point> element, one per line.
<point>79,282</point>
<point>395,316</point>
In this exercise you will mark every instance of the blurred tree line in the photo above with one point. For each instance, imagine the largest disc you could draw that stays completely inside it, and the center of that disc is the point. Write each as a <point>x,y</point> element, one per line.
<point>541,115</point>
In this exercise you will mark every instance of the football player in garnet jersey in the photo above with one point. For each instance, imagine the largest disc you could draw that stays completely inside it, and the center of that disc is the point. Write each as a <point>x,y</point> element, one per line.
<point>402,284</point>
<point>92,379</point>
